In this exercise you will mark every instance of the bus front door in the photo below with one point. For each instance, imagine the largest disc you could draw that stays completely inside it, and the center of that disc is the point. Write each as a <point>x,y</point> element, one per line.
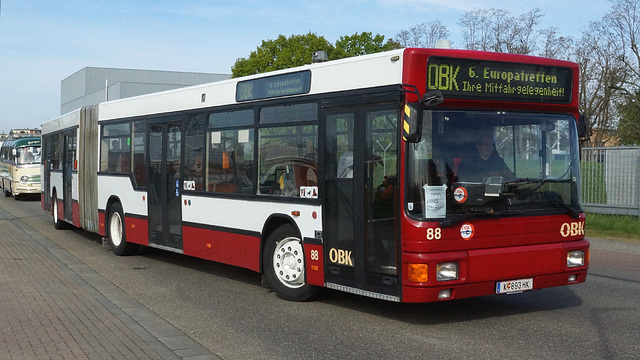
<point>165,210</point>
<point>360,214</point>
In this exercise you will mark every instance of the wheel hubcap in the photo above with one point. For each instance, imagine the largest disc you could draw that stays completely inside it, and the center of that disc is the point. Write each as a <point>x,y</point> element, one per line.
<point>115,229</point>
<point>288,262</point>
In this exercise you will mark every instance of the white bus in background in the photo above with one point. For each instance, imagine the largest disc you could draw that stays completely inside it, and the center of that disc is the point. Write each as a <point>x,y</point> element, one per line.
<point>20,166</point>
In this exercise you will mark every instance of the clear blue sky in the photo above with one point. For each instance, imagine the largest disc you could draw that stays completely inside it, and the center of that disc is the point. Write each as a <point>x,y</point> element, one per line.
<point>43,42</point>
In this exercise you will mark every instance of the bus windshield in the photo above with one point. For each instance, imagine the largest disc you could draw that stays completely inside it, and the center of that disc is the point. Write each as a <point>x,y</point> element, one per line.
<point>28,155</point>
<point>492,163</point>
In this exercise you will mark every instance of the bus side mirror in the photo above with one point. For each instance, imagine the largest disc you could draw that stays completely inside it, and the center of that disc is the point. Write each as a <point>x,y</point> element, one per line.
<point>432,98</point>
<point>412,122</point>
<point>583,133</point>
<point>412,114</point>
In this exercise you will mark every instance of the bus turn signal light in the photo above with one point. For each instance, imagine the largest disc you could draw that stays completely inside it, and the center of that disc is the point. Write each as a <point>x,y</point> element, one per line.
<point>418,273</point>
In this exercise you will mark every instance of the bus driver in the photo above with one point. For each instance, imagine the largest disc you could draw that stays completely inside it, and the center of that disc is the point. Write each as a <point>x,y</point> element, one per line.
<point>485,162</point>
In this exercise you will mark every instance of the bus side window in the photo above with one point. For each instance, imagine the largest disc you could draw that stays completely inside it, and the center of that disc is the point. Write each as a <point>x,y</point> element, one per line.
<point>288,159</point>
<point>139,167</point>
<point>194,151</point>
<point>230,167</point>
<point>55,153</point>
<point>229,156</point>
<point>116,148</point>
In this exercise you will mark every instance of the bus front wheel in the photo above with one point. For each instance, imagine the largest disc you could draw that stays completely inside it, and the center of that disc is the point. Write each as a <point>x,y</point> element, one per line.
<point>117,234</point>
<point>284,267</point>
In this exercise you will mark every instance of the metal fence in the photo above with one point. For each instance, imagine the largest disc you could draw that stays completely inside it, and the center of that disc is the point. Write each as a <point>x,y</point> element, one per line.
<point>611,180</point>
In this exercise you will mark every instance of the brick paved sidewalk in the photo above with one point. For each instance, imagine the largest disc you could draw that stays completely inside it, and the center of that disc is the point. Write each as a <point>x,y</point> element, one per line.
<point>53,306</point>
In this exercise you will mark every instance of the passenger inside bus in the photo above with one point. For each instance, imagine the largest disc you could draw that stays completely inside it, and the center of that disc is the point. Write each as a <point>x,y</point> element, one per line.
<point>345,165</point>
<point>484,162</point>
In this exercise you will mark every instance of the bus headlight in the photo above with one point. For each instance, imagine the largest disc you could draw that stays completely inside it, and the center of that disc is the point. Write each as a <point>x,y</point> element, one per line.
<point>447,271</point>
<point>575,258</point>
<point>24,179</point>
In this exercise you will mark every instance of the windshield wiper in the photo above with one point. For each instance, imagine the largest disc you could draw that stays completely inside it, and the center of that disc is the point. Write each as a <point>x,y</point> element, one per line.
<point>538,183</point>
<point>547,197</point>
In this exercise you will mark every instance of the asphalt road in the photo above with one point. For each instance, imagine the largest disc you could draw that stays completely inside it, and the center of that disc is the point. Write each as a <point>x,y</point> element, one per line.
<point>227,311</point>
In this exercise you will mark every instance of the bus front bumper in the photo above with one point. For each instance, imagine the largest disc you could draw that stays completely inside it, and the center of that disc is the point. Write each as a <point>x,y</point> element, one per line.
<point>442,293</point>
<point>494,270</point>
<point>30,188</point>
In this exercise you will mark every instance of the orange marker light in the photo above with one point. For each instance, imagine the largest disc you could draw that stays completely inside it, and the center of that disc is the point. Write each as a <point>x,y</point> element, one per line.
<point>418,273</point>
<point>295,213</point>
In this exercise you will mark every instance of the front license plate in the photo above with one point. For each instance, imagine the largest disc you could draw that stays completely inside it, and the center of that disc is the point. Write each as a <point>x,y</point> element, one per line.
<point>505,287</point>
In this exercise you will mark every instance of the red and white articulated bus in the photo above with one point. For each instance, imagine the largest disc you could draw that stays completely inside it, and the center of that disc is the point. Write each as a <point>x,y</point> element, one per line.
<point>413,175</point>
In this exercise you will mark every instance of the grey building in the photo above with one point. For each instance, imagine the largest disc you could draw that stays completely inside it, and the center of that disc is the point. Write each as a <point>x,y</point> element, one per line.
<point>93,85</point>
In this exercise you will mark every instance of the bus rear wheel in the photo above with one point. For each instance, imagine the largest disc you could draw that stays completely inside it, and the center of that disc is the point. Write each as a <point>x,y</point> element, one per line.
<point>283,260</point>
<point>57,223</point>
<point>117,234</point>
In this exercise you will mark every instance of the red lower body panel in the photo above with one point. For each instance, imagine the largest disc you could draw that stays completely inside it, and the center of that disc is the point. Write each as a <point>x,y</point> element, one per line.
<point>75,211</point>
<point>101,223</point>
<point>137,230</point>
<point>229,248</point>
<point>480,270</point>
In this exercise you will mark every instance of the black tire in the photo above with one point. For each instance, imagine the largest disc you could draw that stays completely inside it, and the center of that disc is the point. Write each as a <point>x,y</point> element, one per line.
<point>283,263</point>
<point>57,222</point>
<point>116,231</point>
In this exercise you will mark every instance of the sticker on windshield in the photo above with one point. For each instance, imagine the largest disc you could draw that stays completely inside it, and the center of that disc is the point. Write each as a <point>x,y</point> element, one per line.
<point>467,231</point>
<point>460,195</point>
<point>435,199</point>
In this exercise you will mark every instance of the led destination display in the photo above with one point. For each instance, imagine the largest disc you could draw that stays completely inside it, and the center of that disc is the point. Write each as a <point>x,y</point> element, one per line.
<point>274,86</point>
<point>492,80</point>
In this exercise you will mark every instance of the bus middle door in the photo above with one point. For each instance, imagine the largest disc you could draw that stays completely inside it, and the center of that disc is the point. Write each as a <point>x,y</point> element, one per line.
<point>164,207</point>
<point>69,169</point>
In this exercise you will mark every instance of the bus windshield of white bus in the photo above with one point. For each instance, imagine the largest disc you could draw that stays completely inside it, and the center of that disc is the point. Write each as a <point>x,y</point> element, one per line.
<point>28,155</point>
<point>489,163</point>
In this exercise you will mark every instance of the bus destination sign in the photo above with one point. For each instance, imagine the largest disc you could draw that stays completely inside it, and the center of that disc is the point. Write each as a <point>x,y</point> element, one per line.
<point>493,80</point>
<point>274,86</point>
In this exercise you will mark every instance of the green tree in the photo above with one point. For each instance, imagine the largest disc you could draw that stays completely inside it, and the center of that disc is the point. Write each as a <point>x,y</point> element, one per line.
<point>296,50</point>
<point>361,44</point>
<point>629,126</point>
<point>601,74</point>
<point>281,53</point>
